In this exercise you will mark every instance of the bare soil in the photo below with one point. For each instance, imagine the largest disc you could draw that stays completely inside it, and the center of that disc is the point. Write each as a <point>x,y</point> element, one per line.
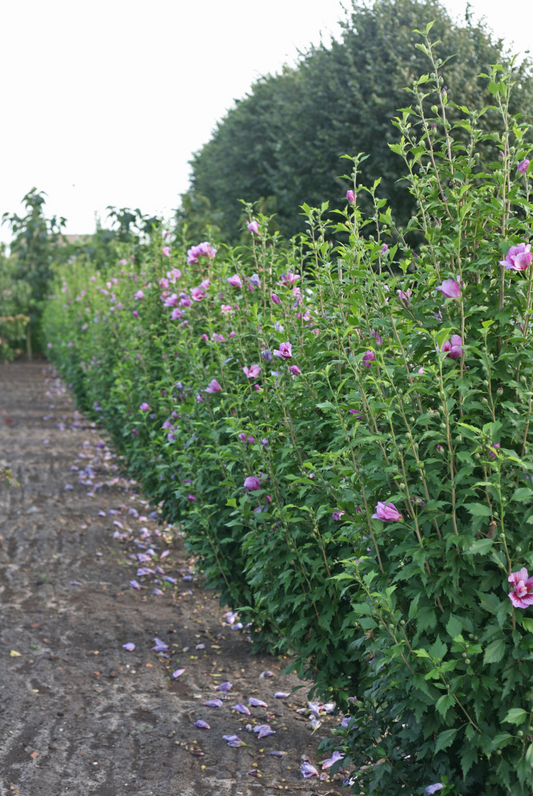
<point>78,713</point>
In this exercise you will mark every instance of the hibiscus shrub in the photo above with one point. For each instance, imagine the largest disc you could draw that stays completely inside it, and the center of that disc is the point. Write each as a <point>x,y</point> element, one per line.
<point>343,432</point>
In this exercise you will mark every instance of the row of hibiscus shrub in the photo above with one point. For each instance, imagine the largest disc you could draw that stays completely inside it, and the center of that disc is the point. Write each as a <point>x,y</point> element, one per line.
<point>343,430</point>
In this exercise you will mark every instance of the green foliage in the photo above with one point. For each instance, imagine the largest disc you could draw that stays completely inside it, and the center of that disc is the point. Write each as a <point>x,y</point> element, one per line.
<point>127,231</point>
<point>398,394</point>
<point>6,477</point>
<point>282,143</point>
<point>34,239</point>
<point>15,297</point>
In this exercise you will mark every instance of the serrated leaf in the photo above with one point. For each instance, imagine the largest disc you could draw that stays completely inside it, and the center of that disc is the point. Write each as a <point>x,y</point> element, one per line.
<point>413,608</point>
<point>527,624</point>
<point>516,716</point>
<point>522,493</point>
<point>469,755</point>
<point>426,618</point>
<point>362,608</point>
<point>438,649</point>
<point>481,547</point>
<point>454,627</point>
<point>495,651</point>
<point>489,601</point>
<point>478,509</point>
<point>445,738</point>
<point>501,739</point>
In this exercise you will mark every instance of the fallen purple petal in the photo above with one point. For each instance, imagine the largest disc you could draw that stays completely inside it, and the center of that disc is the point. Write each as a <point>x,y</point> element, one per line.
<point>134,584</point>
<point>224,686</point>
<point>277,754</point>
<point>202,724</point>
<point>263,730</point>
<point>214,703</point>
<point>240,708</point>
<point>308,770</point>
<point>129,647</point>
<point>257,703</point>
<point>177,673</point>
<point>266,674</point>
<point>233,740</point>
<point>281,695</point>
<point>159,646</point>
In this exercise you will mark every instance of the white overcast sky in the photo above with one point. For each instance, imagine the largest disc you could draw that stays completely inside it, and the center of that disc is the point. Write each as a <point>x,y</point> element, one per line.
<point>105,101</point>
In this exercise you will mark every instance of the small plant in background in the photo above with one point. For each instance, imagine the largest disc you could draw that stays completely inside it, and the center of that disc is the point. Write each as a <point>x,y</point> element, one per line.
<point>6,477</point>
<point>15,294</point>
<point>34,238</point>
<point>344,432</point>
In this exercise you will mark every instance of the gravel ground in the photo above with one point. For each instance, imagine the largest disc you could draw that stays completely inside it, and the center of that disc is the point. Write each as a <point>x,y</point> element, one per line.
<point>78,713</point>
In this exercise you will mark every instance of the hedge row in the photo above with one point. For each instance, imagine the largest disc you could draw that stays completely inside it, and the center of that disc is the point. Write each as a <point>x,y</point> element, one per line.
<point>344,433</point>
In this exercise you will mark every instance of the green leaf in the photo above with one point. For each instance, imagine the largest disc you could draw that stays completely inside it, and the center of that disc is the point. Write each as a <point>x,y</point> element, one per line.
<point>489,601</point>
<point>445,738</point>
<point>523,493</point>
<point>481,547</point>
<point>478,509</point>
<point>495,651</point>
<point>516,716</point>
<point>500,739</point>
<point>469,755</point>
<point>232,503</point>
<point>438,649</point>
<point>527,624</point>
<point>454,627</point>
<point>413,608</point>
<point>426,618</point>
<point>362,608</point>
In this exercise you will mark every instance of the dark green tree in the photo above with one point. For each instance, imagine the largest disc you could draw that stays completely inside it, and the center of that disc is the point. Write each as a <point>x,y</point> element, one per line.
<point>283,142</point>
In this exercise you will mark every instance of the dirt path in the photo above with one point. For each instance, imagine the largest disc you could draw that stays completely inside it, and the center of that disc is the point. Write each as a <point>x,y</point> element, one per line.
<point>78,713</point>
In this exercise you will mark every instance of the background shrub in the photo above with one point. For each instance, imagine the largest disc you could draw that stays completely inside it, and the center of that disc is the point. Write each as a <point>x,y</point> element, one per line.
<point>281,145</point>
